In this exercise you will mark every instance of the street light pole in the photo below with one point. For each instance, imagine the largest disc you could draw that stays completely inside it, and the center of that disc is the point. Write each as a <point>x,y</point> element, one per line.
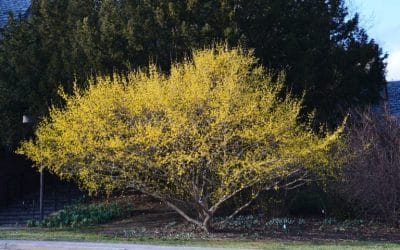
<point>27,120</point>
<point>41,195</point>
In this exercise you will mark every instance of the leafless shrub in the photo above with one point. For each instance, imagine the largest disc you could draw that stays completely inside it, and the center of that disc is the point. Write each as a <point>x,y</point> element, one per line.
<point>371,176</point>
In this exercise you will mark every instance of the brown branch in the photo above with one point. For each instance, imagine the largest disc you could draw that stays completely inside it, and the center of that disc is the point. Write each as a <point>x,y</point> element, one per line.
<point>182,213</point>
<point>227,197</point>
<point>171,205</point>
<point>287,185</point>
<point>240,209</point>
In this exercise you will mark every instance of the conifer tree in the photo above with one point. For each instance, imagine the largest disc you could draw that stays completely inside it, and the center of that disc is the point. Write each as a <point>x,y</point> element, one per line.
<point>324,52</point>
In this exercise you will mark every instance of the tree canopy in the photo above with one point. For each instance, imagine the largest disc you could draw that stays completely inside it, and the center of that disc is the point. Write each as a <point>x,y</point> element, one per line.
<point>214,127</point>
<point>326,55</point>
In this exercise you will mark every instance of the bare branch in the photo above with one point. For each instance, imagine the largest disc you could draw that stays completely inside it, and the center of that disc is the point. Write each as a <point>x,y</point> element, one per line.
<point>182,213</point>
<point>240,208</point>
<point>227,197</point>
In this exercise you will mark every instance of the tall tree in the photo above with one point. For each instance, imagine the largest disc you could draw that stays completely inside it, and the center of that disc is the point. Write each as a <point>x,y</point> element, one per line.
<point>326,55</point>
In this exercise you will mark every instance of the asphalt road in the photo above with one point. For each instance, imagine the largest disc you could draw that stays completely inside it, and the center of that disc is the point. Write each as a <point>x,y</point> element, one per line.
<point>60,245</point>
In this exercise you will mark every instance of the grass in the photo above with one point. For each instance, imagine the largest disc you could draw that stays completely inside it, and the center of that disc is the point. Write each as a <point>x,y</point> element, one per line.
<point>88,235</point>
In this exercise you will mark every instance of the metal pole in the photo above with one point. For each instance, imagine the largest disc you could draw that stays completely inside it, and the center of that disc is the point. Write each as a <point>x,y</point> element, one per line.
<point>41,208</point>
<point>33,209</point>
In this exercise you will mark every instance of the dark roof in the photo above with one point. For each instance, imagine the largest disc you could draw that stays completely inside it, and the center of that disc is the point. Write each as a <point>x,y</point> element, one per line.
<point>17,7</point>
<point>393,98</point>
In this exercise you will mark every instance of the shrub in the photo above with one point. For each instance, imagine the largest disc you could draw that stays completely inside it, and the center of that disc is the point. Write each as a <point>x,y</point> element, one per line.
<point>83,215</point>
<point>372,173</point>
<point>309,201</point>
<point>215,127</point>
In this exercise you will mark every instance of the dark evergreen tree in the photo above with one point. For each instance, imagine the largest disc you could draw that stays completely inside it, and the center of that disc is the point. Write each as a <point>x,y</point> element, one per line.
<point>323,50</point>
<point>20,80</point>
<point>325,53</point>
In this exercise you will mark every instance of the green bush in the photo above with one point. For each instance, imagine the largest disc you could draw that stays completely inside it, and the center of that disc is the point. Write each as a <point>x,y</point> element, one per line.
<point>84,215</point>
<point>309,201</point>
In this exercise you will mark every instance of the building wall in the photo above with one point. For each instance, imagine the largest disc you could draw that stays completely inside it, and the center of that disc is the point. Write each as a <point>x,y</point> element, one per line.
<point>393,96</point>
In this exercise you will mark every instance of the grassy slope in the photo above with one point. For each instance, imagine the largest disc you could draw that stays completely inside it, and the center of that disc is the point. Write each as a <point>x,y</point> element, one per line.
<point>90,236</point>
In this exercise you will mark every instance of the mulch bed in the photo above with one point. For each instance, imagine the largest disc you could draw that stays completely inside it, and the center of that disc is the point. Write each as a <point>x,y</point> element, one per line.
<point>151,219</point>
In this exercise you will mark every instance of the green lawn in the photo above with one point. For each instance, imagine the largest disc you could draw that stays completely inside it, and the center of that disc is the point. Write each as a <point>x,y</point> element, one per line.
<point>89,236</point>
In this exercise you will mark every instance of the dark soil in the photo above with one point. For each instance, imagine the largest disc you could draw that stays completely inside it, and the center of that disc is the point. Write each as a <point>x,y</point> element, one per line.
<point>151,219</point>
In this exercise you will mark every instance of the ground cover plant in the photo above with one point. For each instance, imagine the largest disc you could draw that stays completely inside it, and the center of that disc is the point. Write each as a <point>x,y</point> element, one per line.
<point>81,214</point>
<point>215,127</point>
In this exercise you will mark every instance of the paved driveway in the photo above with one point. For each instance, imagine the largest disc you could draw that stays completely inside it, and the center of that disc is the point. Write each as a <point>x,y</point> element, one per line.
<point>59,245</point>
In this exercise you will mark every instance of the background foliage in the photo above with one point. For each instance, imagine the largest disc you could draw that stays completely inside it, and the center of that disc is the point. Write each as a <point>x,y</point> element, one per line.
<point>370,180</point>
<point>323,50</point>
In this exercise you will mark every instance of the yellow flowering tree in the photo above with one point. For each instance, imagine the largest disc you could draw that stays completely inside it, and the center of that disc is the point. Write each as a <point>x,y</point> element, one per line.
<point>214,127</point>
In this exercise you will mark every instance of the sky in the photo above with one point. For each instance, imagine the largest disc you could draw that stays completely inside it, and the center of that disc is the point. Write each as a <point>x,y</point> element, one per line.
<point>381,19</point>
